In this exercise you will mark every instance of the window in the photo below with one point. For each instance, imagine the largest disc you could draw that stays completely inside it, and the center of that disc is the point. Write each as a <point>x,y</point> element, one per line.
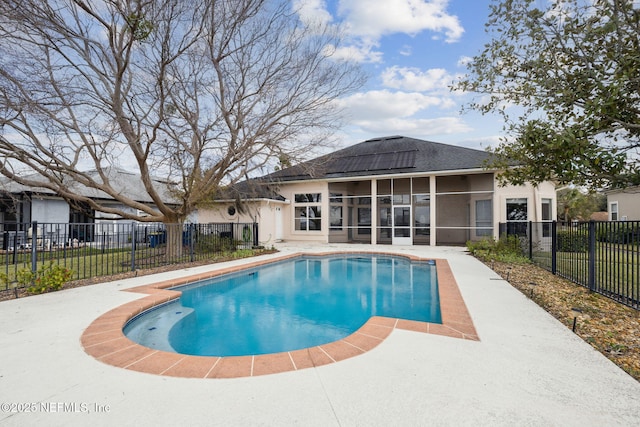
<point>402,221</point>
<point>308,218</point>
<point>384,218</point>
<point>517,209</point>
<point>335,211</point>
<point>364,215</point>
<point>484,218</point>
<point>307,212</point>
<point>517,216</point>
<point>546,209</point>
<point>546,217</point>
<point>421,215</point>
<point>9,216</point>
<point>613,211</point>
<point>308,198</point>
<point>335,218</point>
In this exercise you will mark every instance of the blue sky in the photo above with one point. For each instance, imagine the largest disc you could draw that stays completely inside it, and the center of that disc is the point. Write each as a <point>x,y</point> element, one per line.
<point>411,51</point>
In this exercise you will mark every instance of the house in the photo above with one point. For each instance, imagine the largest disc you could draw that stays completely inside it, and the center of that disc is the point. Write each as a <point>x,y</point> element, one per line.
<point>393,190</point>
<point>21,205</point>
<point>624,204</point>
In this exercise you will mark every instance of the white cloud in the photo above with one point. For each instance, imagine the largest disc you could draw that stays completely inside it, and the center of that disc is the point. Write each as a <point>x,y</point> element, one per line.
<point>359,52</point>
<point>312,11</point>
<point>406,50</point>
<point>365,22</point>
<point>384,104</point>
<point>414,79</point>
<point>414,127</point>
<point>374,19</point>
<point>464,60</point>
<point>384,112</point>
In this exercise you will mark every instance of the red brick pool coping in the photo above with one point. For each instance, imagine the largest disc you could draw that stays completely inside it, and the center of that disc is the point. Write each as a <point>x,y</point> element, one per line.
<point>105,340</point>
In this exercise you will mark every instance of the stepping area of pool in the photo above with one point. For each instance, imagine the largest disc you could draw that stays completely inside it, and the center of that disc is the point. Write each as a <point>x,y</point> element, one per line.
<point>105,341</point>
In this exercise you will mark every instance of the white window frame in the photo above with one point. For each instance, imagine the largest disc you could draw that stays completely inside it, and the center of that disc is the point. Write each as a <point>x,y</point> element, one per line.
<point>614,213</point>
<point>309,213</point>
<point>515,200</point>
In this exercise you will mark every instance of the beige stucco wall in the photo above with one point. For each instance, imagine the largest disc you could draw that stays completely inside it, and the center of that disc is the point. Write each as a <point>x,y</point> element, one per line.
<point>628,203</point>
<point>534,196</point>
<point>288,192</point>
<point>460,210</point>
<point>261,211</point>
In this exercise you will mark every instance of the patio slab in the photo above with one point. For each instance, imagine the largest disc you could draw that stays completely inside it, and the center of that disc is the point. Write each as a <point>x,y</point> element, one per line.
<point>526,369</point>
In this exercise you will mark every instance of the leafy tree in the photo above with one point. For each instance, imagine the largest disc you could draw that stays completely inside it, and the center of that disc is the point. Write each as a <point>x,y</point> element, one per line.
<point>195,94</point>
<point>573,69</point>
<point>576,204</point>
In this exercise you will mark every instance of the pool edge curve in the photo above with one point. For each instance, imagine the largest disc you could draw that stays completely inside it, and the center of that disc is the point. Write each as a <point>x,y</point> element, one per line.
<point>104,338</point>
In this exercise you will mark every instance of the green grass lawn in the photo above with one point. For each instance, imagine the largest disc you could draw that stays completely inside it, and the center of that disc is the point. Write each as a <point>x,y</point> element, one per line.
<point>87,262</point>
<point>617,268</point>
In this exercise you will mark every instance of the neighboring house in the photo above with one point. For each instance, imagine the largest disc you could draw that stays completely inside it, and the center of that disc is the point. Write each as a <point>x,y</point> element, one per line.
<point>21,205</point>
<point>393,190</point>
<point>624,204</point>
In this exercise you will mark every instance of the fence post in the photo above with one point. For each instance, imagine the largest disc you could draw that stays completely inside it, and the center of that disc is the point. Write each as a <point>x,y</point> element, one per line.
<point>255,234</point>
<point>592,255</point>
<point>133,246</point>
<point>191,243</point>
<point>554,247</point>
<point>34,247</point>
<point>530,239</point>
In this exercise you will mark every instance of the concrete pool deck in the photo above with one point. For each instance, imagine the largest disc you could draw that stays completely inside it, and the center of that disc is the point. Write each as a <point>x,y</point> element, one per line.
<point>526,369</point>
<point>104,339</point>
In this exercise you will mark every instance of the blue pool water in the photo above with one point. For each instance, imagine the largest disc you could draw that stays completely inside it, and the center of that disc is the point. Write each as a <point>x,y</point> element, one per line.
<point>289,305</point>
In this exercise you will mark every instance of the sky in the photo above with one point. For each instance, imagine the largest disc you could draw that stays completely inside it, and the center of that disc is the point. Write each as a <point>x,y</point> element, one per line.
<point>411,51</point>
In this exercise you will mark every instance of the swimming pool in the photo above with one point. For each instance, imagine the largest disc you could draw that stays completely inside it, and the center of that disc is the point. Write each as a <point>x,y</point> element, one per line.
<point>289,305</point>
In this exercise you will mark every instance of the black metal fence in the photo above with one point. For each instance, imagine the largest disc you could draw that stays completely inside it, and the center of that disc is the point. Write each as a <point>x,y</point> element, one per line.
<point>107,248</point>
<point>603,256</point>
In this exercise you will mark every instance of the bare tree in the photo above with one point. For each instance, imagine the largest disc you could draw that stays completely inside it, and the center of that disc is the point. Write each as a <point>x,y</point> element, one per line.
<point>193,93</point>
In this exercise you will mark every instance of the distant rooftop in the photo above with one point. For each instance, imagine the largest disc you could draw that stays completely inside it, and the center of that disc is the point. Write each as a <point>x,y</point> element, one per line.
<point>127,183</point>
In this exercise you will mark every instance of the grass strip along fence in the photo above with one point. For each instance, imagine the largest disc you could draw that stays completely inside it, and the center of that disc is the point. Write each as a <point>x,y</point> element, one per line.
<point>47,251</point>
<point>603,256</point>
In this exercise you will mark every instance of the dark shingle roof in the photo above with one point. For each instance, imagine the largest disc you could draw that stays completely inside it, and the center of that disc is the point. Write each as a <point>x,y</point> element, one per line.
<point>251,189</point>
<point>389,155</point>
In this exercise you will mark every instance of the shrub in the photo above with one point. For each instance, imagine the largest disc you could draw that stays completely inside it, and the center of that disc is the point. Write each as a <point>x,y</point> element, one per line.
<point>49,277</point>
<point>618,232</point>
<point>4,280</point>
<point>24,277</point>
<point>207,244</point>
<point>572,241</point>
<point>506,249</point>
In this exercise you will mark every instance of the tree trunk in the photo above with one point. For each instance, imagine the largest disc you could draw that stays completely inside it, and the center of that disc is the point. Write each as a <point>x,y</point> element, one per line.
<point>174,241</point>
